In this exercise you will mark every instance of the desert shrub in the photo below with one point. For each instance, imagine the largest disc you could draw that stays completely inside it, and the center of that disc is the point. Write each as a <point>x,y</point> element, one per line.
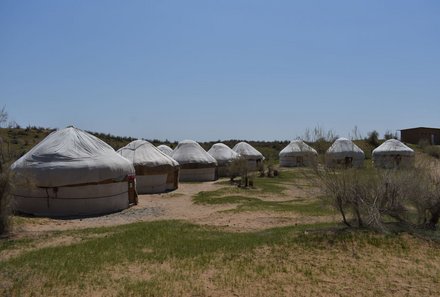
<point>371,197</point>
<point>5,202</point>
<point>239,168</point>
<point>261,169</point>
<point>270,169</point>
<point>319,138</point>
<point>373,138</point>
<point>270,153</point>
<point>423,143</point>
<point>321,145</point>
<point>366,147</point>
<point>427,198</point>
<point>432,150</point>
<point>389,135</point>
<point>3,116</point>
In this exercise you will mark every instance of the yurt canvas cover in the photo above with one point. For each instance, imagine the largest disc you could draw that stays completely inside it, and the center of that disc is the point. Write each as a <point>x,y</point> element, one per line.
<point>298,153</point>
<point>248,152</point>
<point>165,149</point>
<point>155,171</point>
<point>72,173</point>
<point>393,153</point>
<point>344,153</point>
<point>224,156</point>
<point>195,163</point>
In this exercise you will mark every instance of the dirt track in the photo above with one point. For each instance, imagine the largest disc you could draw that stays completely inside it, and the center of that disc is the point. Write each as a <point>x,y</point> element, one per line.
<point>178,205</point>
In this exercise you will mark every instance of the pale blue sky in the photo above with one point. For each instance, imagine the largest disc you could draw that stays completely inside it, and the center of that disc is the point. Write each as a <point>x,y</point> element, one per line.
<point>209,70</point>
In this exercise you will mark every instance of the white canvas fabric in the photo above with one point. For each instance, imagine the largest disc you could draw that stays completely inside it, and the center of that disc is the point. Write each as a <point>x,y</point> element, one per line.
<point>222,153</point>
<point>344,152</point>
<point>165,149</point>
<point>248,152</point>
<point>195,163</point>
<point>71,201</point>
<point>393,153</point>
<point>143,153</point>
<point>74,165</point>
<point>298,153</point>
<point>190,152</point>
<point>198,174</point>
<point>224,156</point>
<point>152,166</point>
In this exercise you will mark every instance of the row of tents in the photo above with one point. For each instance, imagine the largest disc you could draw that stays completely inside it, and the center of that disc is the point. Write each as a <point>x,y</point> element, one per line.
<point>344,153</point>
<point>73,173</point>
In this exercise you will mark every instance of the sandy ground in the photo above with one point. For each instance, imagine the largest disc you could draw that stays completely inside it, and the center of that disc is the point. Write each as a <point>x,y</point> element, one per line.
<point>294,270</point>
<point>178,205</point>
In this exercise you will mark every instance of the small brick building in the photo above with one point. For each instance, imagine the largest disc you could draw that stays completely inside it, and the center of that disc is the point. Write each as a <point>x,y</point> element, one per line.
<point>416,135</point>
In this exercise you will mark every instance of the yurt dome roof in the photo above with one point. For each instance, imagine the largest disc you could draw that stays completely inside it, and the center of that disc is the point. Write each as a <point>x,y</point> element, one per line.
<point>165,149</point>
<point>222,153</point>
<point>296,147</point>
<point>143,153</point>
<point>393,146</point>
<point>343,145</point>
<point>71,156</point>
<point>247,151</point>
<point>190,152</point>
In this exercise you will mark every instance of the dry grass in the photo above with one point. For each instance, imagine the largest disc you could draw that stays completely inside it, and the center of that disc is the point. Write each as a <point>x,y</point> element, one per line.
<point>309,255</point>
<point>292,261</point>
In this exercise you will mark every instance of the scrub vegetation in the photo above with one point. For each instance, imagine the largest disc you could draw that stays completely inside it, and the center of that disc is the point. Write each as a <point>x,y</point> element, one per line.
<point>260,197</point>
<point>5,203</point>
<point>174,258</point>
<point>373,197</point>
<point>311,252</point>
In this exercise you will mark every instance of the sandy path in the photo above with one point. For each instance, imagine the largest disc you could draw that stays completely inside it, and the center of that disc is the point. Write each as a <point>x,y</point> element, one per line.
<point>173,205</point>
<point>178,205</point>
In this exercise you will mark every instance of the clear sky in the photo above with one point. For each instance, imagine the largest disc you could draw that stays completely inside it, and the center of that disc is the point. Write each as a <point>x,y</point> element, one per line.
<point>208,70</point>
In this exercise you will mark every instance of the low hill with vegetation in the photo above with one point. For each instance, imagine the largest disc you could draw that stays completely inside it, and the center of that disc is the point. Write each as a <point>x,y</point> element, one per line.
<point>15,142</point>
<point>281,236</point>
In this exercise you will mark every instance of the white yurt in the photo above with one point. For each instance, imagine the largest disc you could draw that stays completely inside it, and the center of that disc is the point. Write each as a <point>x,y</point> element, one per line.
<point>344,153</point>
<point>165,149</point>
<point>393,153</point>
<point>156,172</point>
<point>195,163</point>
<point>72,173</point>
<point>297,153</point>
<point>254,157</point>
<point>224,156</point>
